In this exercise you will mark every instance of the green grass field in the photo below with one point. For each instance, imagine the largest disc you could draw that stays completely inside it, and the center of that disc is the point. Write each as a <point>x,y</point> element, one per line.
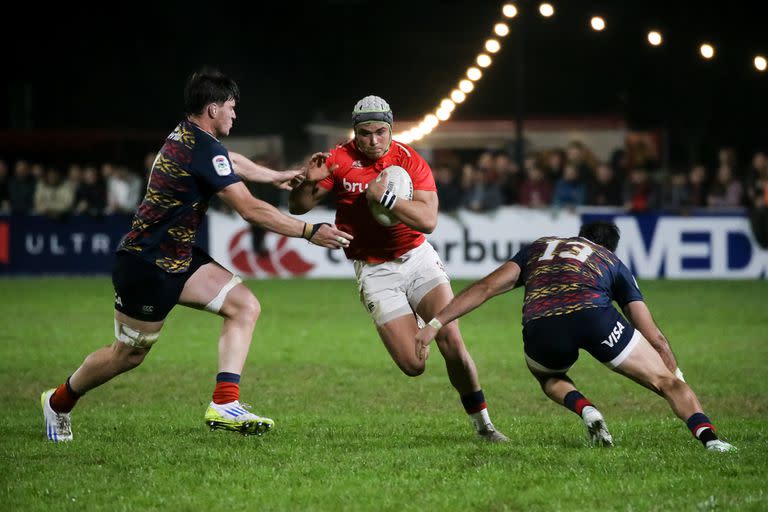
<point>352,432</point>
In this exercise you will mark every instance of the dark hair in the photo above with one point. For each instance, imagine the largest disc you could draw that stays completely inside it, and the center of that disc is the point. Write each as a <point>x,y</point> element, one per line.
<point>208,86</point>
<point>601,232</point>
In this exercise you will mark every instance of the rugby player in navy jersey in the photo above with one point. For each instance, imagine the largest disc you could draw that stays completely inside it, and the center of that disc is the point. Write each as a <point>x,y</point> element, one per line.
<point>157,265</point>
<point>570,284</point>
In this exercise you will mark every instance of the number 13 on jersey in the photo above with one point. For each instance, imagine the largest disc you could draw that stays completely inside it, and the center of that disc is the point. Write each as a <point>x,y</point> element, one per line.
<point>575,250</point>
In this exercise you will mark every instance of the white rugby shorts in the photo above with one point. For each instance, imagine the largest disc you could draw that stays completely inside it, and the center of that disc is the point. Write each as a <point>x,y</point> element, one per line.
<point>394,288</point>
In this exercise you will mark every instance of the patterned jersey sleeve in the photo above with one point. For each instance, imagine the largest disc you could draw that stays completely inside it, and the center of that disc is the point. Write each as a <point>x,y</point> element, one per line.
<point>625,289</point>
<point>213,165</point>
<point>421,173</point>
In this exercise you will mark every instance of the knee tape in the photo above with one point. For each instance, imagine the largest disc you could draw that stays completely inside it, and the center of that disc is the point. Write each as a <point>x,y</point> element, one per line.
<point>215,305</point>
<point>134,338</point>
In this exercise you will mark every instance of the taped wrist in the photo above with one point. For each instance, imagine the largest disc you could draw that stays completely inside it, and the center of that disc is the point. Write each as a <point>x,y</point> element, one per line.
<point>388,199</point>
<point>308,231</point>
<point>315,228</point>
<point>437,324</point>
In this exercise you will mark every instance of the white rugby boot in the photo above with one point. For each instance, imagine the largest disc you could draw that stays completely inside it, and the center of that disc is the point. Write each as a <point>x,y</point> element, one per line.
<point>58,425</point>
<point>490,434</point>
<point>718,445</point>
<point>236,417</point>
<point>596,427</point>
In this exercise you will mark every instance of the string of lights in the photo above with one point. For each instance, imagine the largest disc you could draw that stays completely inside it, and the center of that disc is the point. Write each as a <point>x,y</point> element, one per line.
<point>466,84</point>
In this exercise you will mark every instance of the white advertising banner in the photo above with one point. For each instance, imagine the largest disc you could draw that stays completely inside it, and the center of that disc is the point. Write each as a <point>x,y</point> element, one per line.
<point>471,245</point>
<point>706,246</point>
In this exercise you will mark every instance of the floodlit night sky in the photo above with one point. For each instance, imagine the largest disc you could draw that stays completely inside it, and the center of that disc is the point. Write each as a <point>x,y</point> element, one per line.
<point>93,68</point>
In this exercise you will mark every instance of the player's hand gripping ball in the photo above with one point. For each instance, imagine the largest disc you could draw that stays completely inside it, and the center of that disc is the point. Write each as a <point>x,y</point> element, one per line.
<point>398,183</point>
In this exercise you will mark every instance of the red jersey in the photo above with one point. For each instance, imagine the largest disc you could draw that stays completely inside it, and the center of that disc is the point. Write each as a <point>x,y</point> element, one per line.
<point>373,242</point>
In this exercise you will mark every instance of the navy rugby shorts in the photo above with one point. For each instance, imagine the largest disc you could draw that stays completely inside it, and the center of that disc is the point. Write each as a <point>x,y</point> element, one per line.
<point>552,343</point>
<point>146,292</point>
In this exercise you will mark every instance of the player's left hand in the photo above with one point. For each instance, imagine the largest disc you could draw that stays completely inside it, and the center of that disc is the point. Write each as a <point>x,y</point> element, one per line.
<point>423,338</point>
<point>286,180</point>
<point>317,169</point>
<point>376,188</point>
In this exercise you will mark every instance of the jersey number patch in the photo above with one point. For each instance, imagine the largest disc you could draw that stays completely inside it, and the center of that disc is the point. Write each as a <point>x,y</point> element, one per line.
<point>576,250</point>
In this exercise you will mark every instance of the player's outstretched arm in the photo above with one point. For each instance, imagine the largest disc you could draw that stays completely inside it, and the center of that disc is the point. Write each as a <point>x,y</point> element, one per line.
<point>263,214</point>
<point>306,193</point>
<point>497,282</point>
<point>253,172</point>
<point>638,313</point>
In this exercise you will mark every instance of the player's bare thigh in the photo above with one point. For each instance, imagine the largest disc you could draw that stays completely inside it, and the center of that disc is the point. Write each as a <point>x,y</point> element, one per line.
<point>644,365</point>
<point>205,285</point>
<point>399,336</point>
<point>399,333</point>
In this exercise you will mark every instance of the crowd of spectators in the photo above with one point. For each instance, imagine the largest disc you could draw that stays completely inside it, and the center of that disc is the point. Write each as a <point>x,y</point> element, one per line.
<point>35,189</point>
<point>571,177</point>
<point>557,178</point>
<point>632,179</point>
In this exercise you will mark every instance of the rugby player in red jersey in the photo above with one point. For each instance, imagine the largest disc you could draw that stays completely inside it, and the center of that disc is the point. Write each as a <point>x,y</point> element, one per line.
<point>400,276</point>
<point>570,285</point>
<point>157,265</point>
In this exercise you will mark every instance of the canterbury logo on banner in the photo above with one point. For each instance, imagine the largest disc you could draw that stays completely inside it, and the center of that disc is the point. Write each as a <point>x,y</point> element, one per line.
<point>5,243</point>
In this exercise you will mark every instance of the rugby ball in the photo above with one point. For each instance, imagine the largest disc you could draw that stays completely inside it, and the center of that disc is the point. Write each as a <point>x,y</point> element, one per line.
<point>400,184</point>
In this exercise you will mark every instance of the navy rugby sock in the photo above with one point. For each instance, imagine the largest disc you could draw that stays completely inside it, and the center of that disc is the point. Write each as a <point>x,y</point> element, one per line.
<point>701,428</point>
<point>473,402</point>
<point>477,409</point>
<point>576,402</point>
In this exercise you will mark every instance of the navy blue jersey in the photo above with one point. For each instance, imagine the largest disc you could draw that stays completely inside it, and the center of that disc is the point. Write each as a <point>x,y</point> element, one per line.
<point>562,275</point>
<point>191,167</point>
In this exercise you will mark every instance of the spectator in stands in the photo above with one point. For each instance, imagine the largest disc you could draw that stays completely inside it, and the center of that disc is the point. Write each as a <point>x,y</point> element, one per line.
<point>620,164</point>
<point>21,189</point>
<point>536,191</point>
<point>38,171</point>
<point>638,191</point>
<point>123,190</point>
<point>91,194</point>
<point>5,204</point>
<point>697,186</point>
<point>54,195</point>
<point>449,192</point>
<point>642,151</point>
<point>726,155</point>
<point>725,191</point>
<point>74,175</point>
<point>578,155</point>
<point>509,176</point>
<point>553,163</point>
<point>757,198</point>
<point>570,191</point>
<point>485,162</point>
<point>675,193</point>
<point>481,194</point>
<point>604,189</point>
